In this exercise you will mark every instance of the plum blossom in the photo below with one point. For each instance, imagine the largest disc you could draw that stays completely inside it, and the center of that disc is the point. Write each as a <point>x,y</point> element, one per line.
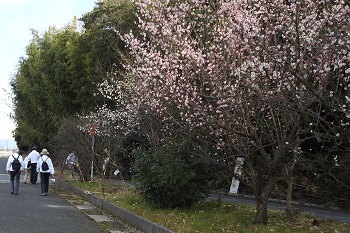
<point>233,68</point>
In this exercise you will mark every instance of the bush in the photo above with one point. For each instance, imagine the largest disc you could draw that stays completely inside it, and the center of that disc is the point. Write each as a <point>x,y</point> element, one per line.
<point>166,178</point>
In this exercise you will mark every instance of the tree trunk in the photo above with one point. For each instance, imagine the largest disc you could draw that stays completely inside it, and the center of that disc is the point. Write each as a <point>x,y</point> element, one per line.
<point>261,210</point>
<point>289,208</point>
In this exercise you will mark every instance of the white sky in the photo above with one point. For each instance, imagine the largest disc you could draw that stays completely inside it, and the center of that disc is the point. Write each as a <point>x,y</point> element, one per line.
<point>17,17</point>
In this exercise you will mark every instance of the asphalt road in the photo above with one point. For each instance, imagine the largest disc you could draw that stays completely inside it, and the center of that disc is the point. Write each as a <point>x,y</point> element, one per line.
<point>30,212</point>
<point>317,212</point>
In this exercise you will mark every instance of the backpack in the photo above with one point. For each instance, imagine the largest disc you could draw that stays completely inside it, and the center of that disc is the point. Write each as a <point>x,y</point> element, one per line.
<point>44,165</point>
<point>16,164</point>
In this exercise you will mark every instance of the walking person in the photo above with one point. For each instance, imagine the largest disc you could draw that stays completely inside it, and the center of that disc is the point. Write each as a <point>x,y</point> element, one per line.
<point>14,167</point>
<point>33,156</point>
<point>45,167</point>
<point>71,163</point>
<point>27,166</point>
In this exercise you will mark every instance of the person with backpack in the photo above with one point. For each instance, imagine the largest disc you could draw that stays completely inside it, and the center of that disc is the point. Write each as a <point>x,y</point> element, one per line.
<point>27,169</point>
<point>34,157</point>
<point>45,167</point>
<point>14,167</point>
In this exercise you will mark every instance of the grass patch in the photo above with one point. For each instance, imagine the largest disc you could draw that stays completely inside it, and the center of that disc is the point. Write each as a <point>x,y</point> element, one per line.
<point>207,216</point>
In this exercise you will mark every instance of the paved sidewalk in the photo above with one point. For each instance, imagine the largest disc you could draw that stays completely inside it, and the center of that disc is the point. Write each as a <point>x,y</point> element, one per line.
<point>30,212</point>
<point>109,222</point>
<point>58,212</point>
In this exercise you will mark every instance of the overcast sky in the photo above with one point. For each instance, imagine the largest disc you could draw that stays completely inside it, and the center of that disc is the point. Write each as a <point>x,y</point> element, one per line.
<point>17,17</point>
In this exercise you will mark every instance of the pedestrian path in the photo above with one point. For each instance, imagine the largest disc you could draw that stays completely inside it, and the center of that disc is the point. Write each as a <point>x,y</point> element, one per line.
<point>30,212</point>
<point>106,221</point>
<point>4,178</point>
<point>62,211</point>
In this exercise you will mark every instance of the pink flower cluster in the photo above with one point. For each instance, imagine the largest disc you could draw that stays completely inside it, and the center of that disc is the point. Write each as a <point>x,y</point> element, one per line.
<point>216,65</point>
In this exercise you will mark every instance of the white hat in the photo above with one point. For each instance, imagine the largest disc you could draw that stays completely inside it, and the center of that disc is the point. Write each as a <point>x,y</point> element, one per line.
<point>44,152</point>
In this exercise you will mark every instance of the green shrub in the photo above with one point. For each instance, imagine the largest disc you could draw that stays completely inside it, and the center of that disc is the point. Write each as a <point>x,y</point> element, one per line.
<point>166,177</point>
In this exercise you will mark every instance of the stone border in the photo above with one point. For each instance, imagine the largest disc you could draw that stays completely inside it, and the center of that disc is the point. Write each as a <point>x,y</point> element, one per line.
<point>137,221</point>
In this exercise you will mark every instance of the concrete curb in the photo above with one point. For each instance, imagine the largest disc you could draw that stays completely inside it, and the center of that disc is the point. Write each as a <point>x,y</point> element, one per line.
<point>138,222</point>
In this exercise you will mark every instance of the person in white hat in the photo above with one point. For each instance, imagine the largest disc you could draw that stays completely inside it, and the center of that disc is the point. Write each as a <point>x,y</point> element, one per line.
<point>45,167</point>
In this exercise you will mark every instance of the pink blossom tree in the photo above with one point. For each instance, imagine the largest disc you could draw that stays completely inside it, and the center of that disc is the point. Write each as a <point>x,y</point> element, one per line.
<point>261,77</point>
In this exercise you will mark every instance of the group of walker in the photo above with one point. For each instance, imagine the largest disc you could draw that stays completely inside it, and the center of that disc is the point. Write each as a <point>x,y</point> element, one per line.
<point>33,164</point>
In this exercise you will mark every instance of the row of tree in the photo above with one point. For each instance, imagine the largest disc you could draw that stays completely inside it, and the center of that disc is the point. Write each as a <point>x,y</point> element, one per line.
<point>173,91</point>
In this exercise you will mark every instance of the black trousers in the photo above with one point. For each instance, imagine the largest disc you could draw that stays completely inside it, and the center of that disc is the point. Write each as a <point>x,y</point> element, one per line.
<point>14,180</point>
<point>44,177</point>
<point>33,174</point>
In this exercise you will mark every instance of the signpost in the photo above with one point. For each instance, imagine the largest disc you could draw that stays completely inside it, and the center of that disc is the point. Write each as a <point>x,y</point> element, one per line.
<point>237,172</point>
<point>92,133</point>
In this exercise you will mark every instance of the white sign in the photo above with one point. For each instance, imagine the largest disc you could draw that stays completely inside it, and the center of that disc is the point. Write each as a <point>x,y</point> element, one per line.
<point>237,172</point>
